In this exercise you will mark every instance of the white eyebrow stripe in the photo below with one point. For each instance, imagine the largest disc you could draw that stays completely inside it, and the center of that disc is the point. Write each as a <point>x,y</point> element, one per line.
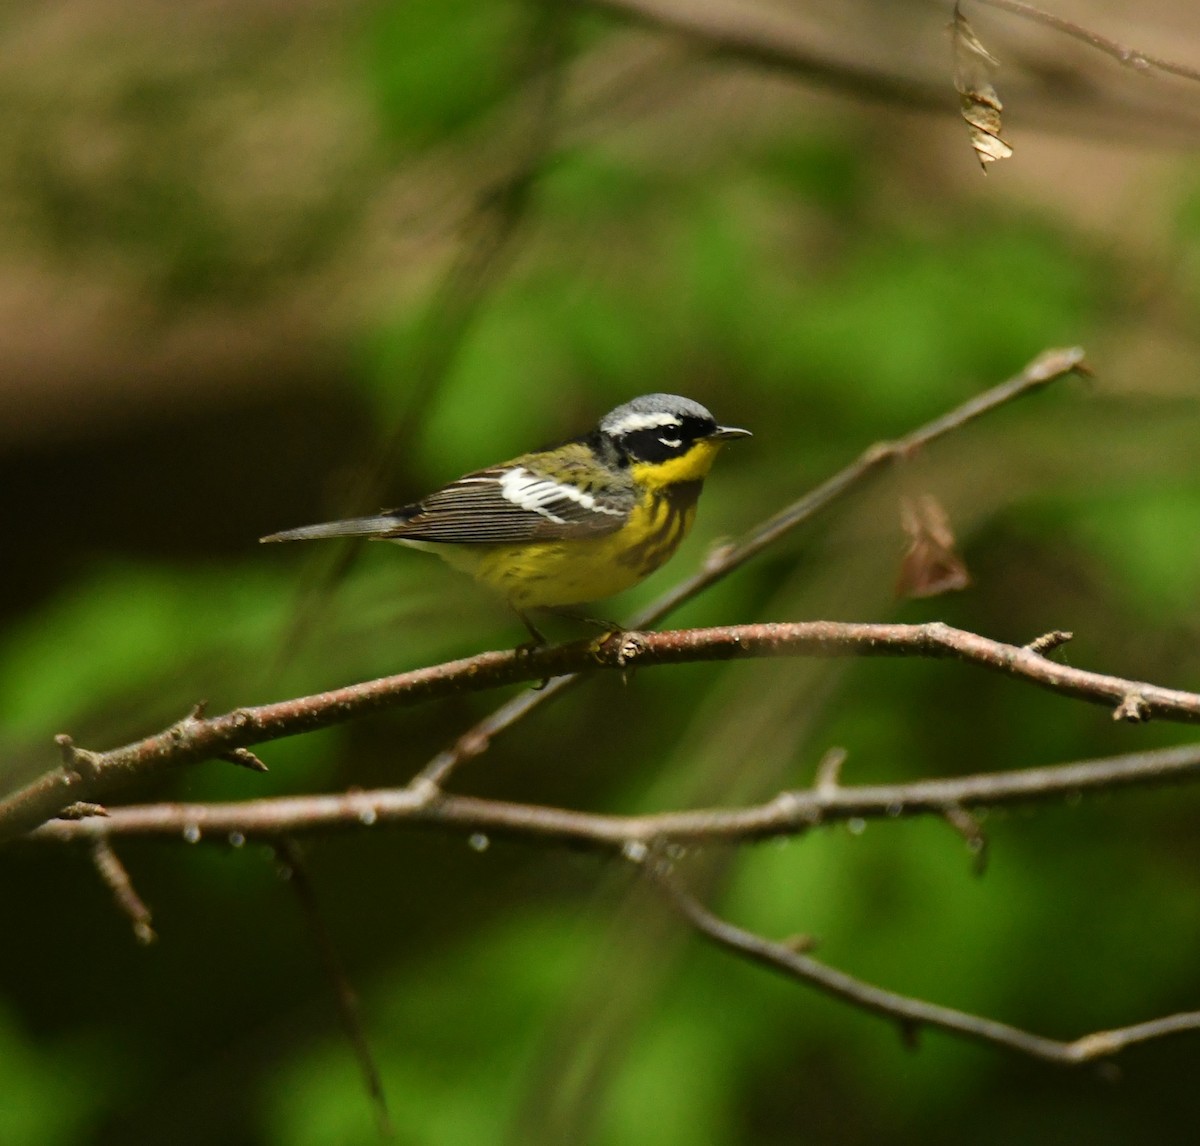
<point>535,493</point>
<point>632,422</point>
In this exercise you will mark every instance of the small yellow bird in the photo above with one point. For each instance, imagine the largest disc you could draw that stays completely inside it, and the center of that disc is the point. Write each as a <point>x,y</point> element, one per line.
<point>569,524</point>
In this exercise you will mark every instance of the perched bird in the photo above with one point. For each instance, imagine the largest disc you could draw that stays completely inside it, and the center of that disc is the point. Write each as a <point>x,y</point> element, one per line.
<point>569,524</point>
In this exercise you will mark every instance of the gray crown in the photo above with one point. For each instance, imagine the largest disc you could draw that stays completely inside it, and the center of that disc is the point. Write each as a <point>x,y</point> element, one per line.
<point>650,411</point>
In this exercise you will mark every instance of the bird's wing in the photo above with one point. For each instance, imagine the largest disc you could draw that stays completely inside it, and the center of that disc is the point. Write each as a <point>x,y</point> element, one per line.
<point>519,501</point>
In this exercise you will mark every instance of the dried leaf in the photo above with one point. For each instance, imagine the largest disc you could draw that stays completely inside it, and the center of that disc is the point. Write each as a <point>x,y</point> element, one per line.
<point>974,67</point>
<point>931,565</point>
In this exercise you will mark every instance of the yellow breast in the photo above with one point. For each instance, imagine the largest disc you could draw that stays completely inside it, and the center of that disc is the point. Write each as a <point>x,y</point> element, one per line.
<point>551,574</point>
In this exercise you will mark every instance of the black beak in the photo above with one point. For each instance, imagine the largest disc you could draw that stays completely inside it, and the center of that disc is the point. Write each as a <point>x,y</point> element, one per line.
<point>724,433</point>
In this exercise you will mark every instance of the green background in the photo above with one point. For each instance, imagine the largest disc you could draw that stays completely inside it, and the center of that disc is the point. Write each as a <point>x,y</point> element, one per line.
<point>254,256</point>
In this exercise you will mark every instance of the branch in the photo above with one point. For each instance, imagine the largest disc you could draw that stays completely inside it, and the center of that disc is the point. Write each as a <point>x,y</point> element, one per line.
<point>910,1013</point>
<point>764,39</point>
<point>1047,367</point>
<point>789,813</point>
<point>116,879</point>
<point>86,775</point>
<point>1122,53</point>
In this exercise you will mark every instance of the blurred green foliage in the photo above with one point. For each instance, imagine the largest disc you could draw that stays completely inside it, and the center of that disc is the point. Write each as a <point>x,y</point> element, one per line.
<point>433,67</point>
<point>51,1094</point>
<point>796,283</point>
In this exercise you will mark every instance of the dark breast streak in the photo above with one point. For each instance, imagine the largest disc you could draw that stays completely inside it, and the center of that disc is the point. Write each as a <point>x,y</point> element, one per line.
<point>670,511</point>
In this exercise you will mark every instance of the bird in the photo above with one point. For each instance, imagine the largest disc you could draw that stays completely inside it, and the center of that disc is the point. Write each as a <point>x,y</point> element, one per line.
<point>568,524</point>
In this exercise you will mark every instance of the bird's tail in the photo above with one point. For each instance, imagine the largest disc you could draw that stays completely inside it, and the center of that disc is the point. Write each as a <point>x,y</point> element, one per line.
<point>353,527</point>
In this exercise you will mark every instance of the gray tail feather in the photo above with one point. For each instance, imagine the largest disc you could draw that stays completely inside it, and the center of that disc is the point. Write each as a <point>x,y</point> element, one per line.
<point>353,527</point>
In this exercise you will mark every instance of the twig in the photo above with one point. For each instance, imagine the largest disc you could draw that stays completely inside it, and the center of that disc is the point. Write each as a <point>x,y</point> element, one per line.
<point>766,40</point>
<point>243,758</point>
<point>1049,642</point>
<point>296,873</point>
<point>789,813</point>
<point>81,810</point>
<point>1047,367</point>
<point>829,771</point>
<point>972,834</point>
<point>910,1013</point>
<point>1122,53</point>
<point>116,878</point>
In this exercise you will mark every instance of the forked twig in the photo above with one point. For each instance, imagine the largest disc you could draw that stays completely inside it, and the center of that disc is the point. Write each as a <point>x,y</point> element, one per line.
<point>911,1014</point>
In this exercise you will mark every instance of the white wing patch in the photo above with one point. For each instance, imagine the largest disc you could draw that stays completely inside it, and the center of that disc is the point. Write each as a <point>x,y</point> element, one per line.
<point>537,494</point>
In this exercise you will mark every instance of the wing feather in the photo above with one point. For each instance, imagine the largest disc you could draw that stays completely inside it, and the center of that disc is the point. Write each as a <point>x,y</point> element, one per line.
<point>520,501</point>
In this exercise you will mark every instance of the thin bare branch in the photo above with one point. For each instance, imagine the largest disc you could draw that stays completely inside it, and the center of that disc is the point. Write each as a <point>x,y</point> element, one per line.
<point>1122,53</point>
<point>788,814</point>
<point>829,771</point>
<point>972,833</point>
<point>766,39</point>
<point>1049,366</point>
<point>296,872</point>
<point>911,1014</point>
<point>116,879</point>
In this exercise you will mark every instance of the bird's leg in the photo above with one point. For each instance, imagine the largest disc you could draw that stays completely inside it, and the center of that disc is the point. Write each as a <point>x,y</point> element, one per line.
<point>537,641</point>
<point>537,637</point>
<point>609,627</point>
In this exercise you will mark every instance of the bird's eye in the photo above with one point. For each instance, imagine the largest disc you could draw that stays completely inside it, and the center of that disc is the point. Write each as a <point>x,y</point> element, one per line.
<point>671,443</point>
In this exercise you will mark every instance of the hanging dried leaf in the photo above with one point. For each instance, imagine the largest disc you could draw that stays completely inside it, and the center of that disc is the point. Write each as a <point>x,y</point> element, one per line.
<point>974,67</point>
<point>931,564</point>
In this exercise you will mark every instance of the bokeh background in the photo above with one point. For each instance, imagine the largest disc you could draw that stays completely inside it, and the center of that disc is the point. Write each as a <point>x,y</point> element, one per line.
<point>265,263</point>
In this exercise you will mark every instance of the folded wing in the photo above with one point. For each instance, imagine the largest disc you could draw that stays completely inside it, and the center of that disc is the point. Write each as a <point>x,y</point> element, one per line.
<point>515,503</point>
